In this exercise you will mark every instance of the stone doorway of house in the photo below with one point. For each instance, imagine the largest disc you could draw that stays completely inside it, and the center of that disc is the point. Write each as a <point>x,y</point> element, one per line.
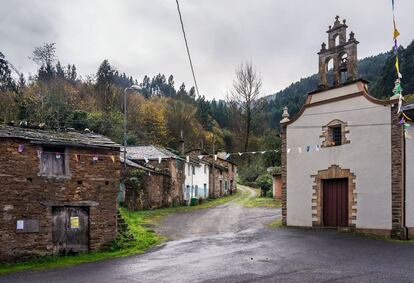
<point>70,232</point>
<point>335,202</point>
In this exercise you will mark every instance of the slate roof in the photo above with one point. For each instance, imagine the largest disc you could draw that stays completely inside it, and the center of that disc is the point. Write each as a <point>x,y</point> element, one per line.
<point>151,152</point>
<point>66,138</point>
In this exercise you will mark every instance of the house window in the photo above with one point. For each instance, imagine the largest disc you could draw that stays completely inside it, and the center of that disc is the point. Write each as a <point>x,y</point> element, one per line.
<point>193,170</point>
<point>205,169</point>
<point>336,134</point>
<point>205,190</point>
<point>221,172</point>
<point>196,191</point>
<point>53,161</point>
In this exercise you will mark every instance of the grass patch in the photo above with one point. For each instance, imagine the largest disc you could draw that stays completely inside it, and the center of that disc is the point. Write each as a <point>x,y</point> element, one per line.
<point>275,224</point>
<point>248,200</point>
<point>262,202</point>
<point>140,224</point>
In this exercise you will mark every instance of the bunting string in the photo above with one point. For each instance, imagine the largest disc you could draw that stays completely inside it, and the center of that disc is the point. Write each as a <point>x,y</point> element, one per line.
<point>397,90</point>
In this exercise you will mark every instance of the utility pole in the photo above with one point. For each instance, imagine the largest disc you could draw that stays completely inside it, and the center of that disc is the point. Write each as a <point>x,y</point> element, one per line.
<point>131,88</point>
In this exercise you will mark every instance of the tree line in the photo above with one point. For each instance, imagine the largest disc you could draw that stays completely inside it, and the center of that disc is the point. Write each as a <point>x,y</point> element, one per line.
<point>56,97</point>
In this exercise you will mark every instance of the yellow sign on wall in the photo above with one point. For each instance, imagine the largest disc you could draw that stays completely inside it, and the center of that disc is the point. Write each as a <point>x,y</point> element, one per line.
<point>74,222</point>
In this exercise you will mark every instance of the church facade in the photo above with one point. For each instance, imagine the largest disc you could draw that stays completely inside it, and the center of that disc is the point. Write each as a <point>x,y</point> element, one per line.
<point>343,154</point>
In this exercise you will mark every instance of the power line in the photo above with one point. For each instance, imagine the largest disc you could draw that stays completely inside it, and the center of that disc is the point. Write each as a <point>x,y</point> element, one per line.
<point>341,111</point>
<point>186,45</point>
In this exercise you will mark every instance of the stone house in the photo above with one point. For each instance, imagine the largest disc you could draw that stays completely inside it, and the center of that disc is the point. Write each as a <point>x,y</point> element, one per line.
<point>58,192</point>
<point>222,173</point>
<point>146,187</point>
<point>163,184</point>
<point>197,174</point>
<point>344,154</point>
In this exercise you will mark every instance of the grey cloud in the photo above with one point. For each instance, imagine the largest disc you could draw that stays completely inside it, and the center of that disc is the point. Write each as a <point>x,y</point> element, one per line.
<point>144,37</point>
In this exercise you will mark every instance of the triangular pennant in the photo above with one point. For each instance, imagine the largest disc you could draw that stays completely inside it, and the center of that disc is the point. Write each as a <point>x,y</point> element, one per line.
<point>200,157</point>
<point>263,152</point>
<point>317,147</point>
<point>406,117</point>
<point>20,148</point>
<point>227,156</point>
<point>112,158</point>
<point>58,156</point>
<point>146,160</point>
<point>240,154</point>
<point>288,150</point>
<point>308,148</point>
<point>402,121</point>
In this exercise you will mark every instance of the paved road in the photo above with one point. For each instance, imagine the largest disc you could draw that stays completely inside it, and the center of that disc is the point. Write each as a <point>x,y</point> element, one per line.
<point>230,244</point>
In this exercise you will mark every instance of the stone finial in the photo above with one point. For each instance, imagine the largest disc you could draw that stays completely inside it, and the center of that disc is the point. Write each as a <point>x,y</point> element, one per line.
<point>323,46</point>
<point>351,36</point>
<point>285,115</point>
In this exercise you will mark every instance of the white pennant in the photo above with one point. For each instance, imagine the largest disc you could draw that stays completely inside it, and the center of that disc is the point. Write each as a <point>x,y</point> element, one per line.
<point>240,153</point>
<point>159,159</point>
<point>215,156</point>
<point>146,160</point>
<point>200,156</point>
<point>288,150</point>
<point>299,150</point>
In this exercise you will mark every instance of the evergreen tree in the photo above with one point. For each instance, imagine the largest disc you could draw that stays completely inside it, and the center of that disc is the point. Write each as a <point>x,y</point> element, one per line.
<point>105,79</point>
<point>6,81</point>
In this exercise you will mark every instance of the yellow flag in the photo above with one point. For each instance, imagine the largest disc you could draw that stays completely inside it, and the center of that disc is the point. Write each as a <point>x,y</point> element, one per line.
<point>396,32</point>
<point>113,158</point>
<point>397,67</point>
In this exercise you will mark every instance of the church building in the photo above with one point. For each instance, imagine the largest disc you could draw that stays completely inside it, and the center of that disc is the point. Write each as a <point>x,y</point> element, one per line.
<point>344,155</point>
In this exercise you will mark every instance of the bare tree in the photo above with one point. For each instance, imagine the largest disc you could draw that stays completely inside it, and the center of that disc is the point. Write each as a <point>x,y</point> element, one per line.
<point>246,91</point>
<point>44,55</point>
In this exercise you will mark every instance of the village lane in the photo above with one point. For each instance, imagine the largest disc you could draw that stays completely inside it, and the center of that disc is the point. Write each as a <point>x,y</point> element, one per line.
<point>231,243</point>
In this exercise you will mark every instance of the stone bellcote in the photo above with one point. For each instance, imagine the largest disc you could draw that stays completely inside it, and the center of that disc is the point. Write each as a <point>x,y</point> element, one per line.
<point>343,53</point>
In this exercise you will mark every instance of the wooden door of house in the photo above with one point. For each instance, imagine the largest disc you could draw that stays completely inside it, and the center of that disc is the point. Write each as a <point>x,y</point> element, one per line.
<point>335,202</point>
<point>70,232</point>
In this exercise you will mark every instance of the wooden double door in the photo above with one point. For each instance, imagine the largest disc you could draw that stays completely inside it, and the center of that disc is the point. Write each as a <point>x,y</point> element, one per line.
<point>70,231</point>
<point>335,202</point>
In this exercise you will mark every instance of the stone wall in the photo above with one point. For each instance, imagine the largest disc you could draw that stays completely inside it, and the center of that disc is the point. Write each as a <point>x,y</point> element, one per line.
<point>283,167</point>
<point>397,180</point>
<point>28,196</point>
<point>162,187</point>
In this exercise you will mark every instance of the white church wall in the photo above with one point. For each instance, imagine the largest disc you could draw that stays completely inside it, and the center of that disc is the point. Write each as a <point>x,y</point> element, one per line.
<point>409,190</point>
<point>368,156</point>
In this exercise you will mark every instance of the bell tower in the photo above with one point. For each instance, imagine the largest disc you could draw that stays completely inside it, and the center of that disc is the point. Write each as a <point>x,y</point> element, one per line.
<point>343,53</point>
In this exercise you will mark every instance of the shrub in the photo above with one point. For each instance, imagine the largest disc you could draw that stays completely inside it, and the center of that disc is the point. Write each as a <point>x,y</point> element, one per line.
<point>264,182</point>
<point>269,194</point>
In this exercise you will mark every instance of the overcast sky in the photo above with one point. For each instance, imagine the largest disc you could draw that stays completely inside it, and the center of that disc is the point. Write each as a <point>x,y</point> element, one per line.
<point>140,37</point>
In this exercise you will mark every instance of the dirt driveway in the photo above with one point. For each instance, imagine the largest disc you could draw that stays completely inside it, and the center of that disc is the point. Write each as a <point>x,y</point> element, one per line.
<point>229,217</point>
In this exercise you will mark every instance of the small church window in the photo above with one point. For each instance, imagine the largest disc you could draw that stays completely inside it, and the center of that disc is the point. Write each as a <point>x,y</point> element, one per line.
<point>336,135</point>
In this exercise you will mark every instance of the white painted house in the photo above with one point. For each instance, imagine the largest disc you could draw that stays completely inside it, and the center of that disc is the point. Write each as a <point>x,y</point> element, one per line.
<point>343,154</point>
<point>196,183</point>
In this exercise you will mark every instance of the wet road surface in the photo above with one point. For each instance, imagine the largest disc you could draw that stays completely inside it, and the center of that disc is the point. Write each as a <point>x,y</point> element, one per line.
<point>230,243</point>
